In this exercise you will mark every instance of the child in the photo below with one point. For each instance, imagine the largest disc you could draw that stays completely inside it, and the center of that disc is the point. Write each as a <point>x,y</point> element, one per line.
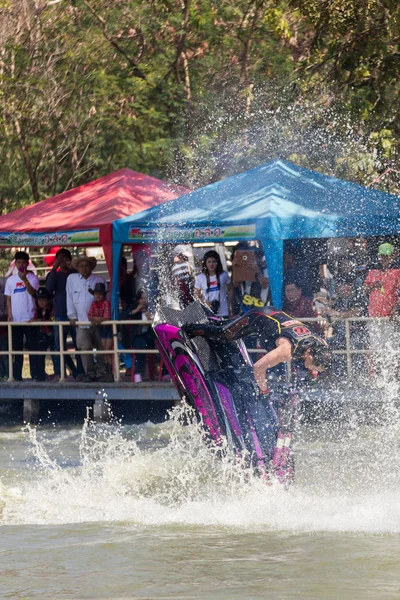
<point>213,285</point>
<point>100,311</point>
<point>45,340</point>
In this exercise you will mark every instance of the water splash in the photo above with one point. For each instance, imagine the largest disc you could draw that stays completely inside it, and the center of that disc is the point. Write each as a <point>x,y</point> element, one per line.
<point>154,475</point>
<point>318,133</point>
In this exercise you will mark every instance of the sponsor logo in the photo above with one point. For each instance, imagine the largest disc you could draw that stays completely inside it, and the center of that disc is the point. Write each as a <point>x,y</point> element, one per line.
<point>252,301</point>
<point>301,331</point>
<point>290,323</point>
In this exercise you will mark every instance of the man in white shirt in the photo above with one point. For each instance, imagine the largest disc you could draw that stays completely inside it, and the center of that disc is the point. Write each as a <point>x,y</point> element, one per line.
<point>79,300</point>
<point>20,292</point>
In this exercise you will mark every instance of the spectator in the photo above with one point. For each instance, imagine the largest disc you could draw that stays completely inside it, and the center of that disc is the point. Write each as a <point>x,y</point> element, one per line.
<point>295,303</point>
<point>141,337</point>
<point>127,282</point>
<point>45,341</point>
<point>50,257</point>
<point>183,279</point>
<point>383,286</point>
<point>361,263</point>
<point>102,337</point>
<point>290,267</point>
<point>20,292</point>
<point>250,278</point>
<point>213,286</point>
<point>13,269</point>
<point>141,262</point>
<point>339,267</point>
<point>361,260</point>
<point>345,306</point>
<point>56,283</point>
<point>3,332</point>
<point>148,275</point>
<point>79,300</point>
<point>303,260</point>
<point>396,258</point>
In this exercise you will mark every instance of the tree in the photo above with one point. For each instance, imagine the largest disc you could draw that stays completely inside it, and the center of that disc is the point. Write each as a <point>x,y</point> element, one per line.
<point>193,90</point>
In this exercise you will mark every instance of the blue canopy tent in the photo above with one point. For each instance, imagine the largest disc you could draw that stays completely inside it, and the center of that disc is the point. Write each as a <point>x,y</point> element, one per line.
<point>272,203</point>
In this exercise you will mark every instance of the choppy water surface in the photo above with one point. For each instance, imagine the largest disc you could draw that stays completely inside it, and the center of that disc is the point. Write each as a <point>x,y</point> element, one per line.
<point>149,511</point>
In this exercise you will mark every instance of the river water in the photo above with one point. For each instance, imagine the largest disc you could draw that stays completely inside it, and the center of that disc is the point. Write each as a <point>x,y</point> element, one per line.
<point>150,511</point>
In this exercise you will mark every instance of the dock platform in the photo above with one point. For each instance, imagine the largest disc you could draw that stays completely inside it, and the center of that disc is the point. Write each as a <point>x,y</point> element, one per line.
<point>33,393</point>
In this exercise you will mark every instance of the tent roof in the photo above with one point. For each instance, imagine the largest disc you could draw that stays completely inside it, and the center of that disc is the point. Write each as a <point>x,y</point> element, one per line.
<point>281,193</point>
<point>92,205</point>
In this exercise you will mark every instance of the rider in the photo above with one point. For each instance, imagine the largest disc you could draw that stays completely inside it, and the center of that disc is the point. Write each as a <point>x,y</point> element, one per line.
<point>284,338</point>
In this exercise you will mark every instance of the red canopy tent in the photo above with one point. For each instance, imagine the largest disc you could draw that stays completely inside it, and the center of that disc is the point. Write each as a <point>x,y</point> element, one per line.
<point>84,215</point>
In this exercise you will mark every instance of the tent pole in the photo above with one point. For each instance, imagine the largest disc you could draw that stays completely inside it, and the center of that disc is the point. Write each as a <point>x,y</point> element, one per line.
<point>117,253</point>
<point>273,249</point>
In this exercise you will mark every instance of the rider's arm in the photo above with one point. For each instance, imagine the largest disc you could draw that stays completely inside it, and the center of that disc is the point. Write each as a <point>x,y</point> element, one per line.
<point>282,353</point>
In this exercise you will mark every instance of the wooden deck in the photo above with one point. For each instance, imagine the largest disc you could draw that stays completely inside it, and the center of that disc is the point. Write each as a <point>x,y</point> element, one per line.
<point>71,390</point>
<point>33,393</point>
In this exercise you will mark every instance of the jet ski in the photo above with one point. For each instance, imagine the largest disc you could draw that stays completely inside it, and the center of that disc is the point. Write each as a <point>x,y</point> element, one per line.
<point>216,379</point>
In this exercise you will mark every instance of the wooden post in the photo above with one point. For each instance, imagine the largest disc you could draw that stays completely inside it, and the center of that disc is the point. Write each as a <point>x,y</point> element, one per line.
<point>101,410</point>
<point>31,410</point>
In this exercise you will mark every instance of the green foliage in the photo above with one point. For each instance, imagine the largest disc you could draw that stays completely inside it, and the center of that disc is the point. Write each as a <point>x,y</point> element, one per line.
<point>194,90</point>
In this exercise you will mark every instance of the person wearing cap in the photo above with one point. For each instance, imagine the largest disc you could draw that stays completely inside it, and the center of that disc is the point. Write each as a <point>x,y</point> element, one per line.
<point>20,294</point>
<point>383,286</point>
<point>102,338</point>
<point>79,300</point>
<point>45,339</point>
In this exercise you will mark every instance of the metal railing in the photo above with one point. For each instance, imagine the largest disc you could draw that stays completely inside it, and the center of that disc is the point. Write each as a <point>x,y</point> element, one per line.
<point>348,351</point>
<point>117,351</point>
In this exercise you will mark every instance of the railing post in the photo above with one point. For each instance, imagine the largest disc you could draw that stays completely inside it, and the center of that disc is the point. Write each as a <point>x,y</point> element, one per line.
<point>10,355</point>
<point>61,351</point>
<point>289,371</point>
<point>101,409</point>
<point>348,350</point>
<point>117,376</point>
<point>31,411</point>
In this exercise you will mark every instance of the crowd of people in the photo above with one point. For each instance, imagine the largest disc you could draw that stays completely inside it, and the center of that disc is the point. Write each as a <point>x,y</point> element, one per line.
<point>71,293</point>
<point>360,280</point>
<point>352,282</point>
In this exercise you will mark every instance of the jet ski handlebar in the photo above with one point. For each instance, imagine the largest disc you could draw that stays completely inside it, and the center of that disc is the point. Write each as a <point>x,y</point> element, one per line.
<point>206,330</point>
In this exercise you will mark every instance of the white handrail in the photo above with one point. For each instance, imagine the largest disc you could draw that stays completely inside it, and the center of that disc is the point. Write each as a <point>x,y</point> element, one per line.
<point>115,351</point>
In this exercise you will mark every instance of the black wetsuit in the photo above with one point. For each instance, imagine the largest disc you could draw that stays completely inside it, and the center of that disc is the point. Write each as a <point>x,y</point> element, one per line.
<point>266,323</point>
